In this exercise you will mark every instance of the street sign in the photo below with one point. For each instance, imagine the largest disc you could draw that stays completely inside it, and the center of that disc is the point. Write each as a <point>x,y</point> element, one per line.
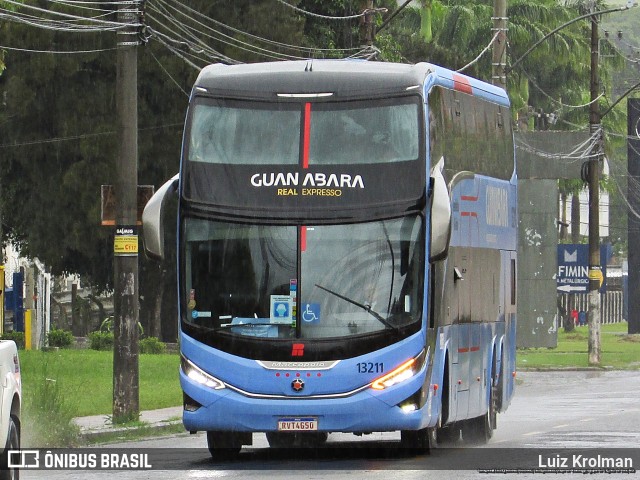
<point>573,268</point>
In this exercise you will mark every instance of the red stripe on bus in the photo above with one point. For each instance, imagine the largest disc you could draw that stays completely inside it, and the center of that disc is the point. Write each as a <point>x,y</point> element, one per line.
<point>307,135</point>
<point>462,84</point>
<point>466,349</point>
<point>468,198</point>
<point>469,214</point>
<point>303,238</point>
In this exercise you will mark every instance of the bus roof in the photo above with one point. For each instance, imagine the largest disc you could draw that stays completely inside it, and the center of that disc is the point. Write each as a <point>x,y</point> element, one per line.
<point>341,78</point>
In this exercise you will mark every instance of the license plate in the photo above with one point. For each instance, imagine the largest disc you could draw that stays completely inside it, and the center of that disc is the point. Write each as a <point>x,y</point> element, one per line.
<point>297,424</point>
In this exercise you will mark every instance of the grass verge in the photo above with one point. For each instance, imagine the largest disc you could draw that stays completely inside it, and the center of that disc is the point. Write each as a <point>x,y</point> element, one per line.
<point>618,350</point>
<point>87,378</point>
<point>59,385</point>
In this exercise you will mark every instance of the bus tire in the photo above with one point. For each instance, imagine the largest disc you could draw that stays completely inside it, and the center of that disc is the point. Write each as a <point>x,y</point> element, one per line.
<point>446,433</point>
<point>223,445</point>
<point>419,441</point>
<point>480,429</point>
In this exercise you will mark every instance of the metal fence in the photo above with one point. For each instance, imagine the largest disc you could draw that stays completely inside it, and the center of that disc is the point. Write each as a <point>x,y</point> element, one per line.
<point>611,305</point>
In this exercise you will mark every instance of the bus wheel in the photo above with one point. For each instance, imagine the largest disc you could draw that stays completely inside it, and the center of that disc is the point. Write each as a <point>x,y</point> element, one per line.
<point>296,439</point>
<point>419,441</point>
<point>223,445</point>
<point>480,429</point>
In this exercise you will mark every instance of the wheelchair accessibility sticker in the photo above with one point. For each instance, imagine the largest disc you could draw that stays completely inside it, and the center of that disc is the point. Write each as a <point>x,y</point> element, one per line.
<point>311,313</point>
<point>281,309</point>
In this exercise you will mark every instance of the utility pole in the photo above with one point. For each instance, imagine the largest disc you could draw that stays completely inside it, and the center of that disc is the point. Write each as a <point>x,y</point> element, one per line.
<point>126,404</point>
<point>499,48</point>
<point>366,24</point>
<point>595,270</point>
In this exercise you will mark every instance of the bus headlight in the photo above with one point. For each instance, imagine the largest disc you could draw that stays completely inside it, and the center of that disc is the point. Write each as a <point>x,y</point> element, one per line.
<point>405,371</point>
<point>200,376</point>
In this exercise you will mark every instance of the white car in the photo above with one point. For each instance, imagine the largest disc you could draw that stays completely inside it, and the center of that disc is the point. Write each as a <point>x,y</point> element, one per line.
<point>10,401</point>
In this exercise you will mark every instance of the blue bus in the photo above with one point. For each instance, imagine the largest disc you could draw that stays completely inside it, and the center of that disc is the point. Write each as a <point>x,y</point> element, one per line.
<point>346,253</point>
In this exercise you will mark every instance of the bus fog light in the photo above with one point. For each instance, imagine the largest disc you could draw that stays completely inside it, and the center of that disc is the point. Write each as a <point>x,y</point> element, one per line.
<point>411,407</point>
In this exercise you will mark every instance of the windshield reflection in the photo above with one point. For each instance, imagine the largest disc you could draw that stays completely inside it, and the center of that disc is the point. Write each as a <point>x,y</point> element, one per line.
<point>303,282</point>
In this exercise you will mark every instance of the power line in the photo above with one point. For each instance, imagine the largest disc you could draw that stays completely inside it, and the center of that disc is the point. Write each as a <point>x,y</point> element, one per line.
<point>168,74</point>
<point>81,136</point>
<point>475,60</point>
<point>178,5</point>
<point>192,36</point>
<point>184,27</point>
<point>329,17</point>
<point>558,102</point>
<point>580,152</point>
<point>57,52</point>
<point>95,23</point>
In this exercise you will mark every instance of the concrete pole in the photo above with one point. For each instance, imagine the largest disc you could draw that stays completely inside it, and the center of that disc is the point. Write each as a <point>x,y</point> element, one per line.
<point>125,349</point>
<point>595,270</point>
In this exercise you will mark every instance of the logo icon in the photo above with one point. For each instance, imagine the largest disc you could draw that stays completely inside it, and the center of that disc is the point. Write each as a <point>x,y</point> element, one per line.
<point>297,350</point>
<point>281,309</point>
<point>311,313</point>
<point>571,257</point>
<point>297,385</point>
<point>23,459</point>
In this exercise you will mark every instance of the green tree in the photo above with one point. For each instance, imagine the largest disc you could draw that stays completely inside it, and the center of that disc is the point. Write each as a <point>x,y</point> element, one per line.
<point>58,147</point>
<point>58,140</point>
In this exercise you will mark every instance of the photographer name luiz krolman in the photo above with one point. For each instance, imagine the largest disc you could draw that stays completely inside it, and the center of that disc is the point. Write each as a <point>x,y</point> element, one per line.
<point>579,461</point>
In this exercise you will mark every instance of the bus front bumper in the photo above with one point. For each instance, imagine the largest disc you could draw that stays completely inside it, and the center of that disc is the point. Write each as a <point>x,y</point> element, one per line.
<point>362,412</point>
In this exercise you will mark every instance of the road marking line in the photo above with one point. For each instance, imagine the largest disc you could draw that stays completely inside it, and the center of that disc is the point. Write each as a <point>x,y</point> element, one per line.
<point>586,420</point>
<point>561,426</point>
<point>530,433</point>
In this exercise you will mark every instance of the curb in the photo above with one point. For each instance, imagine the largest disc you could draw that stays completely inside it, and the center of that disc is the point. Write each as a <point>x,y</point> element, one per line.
<point>108,432</point>
<point>150,423</point>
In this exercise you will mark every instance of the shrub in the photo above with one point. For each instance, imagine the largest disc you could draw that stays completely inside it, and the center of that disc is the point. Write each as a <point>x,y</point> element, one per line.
<point>101,340</point>
<point>17,337</point>
<point>152,345</point>
<point>60,338</point>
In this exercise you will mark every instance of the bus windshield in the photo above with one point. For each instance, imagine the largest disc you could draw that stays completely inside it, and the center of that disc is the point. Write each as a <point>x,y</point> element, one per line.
<point>261,133</point>
<point>296,160</point>
<point>320,281</point>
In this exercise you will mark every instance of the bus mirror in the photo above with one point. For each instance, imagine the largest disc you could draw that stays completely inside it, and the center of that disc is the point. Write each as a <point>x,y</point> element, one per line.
<point>152,227</point>
<point>440,214</point>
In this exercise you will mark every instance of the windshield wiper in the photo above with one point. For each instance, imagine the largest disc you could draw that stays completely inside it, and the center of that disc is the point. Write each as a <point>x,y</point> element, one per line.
<point>366,308</point>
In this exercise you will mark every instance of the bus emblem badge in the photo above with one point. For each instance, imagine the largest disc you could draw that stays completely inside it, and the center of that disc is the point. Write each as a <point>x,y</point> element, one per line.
<point>297,385</point>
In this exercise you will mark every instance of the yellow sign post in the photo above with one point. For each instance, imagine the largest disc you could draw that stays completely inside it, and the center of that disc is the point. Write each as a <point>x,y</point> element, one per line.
<point>125,241</point>
<point>27,329</point>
